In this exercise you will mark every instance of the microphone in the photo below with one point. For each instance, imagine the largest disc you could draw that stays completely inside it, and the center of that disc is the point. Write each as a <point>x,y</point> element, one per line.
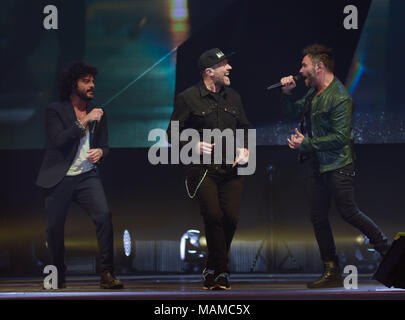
<point>298,77</point>
<point>94,125</point>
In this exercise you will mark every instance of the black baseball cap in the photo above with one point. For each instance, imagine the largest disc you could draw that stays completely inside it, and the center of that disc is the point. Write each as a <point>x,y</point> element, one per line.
<point>212,57</point>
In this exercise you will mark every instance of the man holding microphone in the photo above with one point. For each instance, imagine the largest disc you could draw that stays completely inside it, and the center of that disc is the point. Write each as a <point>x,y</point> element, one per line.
<point>208,105</point>
<point>326,120</point>
<point>78,142</point>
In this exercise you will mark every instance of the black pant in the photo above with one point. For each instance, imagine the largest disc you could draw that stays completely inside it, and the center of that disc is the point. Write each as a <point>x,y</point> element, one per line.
<point>219,198</point>
<point>85,189</point>
<point>337,185</point>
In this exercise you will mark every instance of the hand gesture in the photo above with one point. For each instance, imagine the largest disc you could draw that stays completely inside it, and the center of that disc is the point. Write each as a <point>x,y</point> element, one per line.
<point>94,155</point>
<point>95,115</point>
<point>242,156</point>
<point>296,140</point>
<point>204,147</point>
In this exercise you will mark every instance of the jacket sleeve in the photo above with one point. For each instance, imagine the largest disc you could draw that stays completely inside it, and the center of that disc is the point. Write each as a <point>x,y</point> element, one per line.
<point>181,113</point>
<point>102,141</point>
<point>291,110</point>
<point>243,123</point>
<point>59,136</point>
<point>340,119</point>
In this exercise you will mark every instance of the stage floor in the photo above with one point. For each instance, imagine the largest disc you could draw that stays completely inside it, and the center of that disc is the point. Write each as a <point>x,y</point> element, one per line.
<point>188,287</point>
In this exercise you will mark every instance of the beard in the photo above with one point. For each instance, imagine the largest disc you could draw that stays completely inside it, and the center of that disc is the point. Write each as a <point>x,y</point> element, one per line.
<point>310,79</point>
<point>84,94</point>
<point>226,81</point>
<point>223,81</point>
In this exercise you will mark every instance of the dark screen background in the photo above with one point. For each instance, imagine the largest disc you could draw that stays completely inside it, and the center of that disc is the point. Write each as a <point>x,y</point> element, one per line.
<point>146,52</point>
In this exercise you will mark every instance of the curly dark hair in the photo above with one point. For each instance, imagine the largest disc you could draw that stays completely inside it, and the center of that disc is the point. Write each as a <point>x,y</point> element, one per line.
<point>320,53</point>
<point>70,75</point>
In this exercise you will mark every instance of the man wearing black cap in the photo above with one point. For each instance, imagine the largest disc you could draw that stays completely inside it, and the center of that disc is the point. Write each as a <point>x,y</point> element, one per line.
<point>212,104</point>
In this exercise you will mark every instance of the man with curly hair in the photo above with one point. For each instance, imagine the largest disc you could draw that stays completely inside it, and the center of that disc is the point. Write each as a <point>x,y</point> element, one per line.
<point>77,144</point>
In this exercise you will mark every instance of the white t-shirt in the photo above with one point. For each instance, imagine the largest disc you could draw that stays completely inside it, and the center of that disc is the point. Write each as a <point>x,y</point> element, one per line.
<point>80,164</point>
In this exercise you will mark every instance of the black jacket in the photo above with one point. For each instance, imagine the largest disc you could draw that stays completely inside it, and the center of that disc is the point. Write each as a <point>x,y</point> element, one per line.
<point>63,141</point>
<point>198,108</point>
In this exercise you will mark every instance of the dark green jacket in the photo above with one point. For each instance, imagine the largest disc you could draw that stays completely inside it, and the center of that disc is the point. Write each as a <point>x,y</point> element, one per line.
<point>331,119</point>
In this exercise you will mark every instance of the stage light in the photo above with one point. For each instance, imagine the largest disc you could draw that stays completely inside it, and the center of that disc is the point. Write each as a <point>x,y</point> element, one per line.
<point>203,241</point>
<point>179,21</point>
<point>192,250</point>
<point>360,239</point>
<point>367,259</point>
<point>191,236</point>
<point>179,10</point>
<point>126,240</point>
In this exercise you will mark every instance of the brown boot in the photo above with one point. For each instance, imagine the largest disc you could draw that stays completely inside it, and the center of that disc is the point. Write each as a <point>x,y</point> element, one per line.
<point>108,281</point>
<point>330,278</point>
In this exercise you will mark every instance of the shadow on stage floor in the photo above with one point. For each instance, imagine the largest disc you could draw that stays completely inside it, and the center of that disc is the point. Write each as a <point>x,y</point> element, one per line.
<point>188,287</point>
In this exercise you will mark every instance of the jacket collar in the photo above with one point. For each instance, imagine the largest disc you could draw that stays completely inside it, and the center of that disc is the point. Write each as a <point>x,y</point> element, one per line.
<point>69,109</point>
<point>69,112</point>
<point>205,92</point>
<point>331,86</point>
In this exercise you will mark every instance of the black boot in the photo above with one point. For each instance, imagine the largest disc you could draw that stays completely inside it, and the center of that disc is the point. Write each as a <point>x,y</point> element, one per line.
<point>331,277</point>
<point>209,279</point>
<point>382,247</point>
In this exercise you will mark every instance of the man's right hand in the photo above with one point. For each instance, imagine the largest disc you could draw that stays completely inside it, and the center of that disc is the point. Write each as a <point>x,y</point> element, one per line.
<point>93,115</point>
<point>204,147</point>
<point>288,84</point>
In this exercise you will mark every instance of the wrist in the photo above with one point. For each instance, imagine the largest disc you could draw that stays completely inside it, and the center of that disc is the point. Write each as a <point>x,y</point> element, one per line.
<point>303,144</point>
<point>84,121</point>
<point>80,125</point>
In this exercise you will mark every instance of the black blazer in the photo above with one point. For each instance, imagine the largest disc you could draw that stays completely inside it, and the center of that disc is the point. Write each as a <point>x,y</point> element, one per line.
<point>64,139</point>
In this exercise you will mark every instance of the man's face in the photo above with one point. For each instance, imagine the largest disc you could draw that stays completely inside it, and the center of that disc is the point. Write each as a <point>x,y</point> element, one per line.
<point>85,87</point>
<point>221,73</point>
<point>308,71</point>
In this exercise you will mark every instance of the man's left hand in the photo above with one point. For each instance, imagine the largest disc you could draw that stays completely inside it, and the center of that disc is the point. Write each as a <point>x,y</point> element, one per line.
<point>94,155</point>
<point>296,140</point>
